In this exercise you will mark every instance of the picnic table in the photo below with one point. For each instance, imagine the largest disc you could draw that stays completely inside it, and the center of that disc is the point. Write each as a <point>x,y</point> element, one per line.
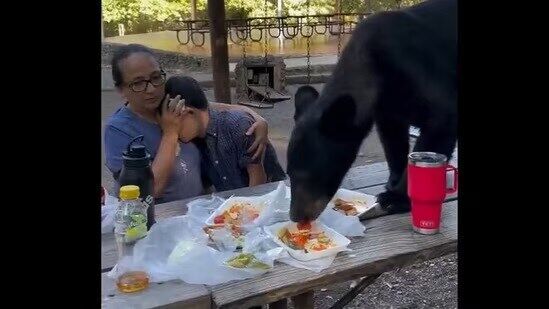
<point>389,243</point>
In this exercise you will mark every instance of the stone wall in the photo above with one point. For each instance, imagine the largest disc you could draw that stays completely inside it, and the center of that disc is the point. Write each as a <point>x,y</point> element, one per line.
<point>167,60</point>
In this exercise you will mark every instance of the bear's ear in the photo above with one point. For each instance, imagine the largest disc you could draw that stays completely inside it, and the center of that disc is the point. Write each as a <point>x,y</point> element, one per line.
<point>304,98</point>
<point>337,120</point>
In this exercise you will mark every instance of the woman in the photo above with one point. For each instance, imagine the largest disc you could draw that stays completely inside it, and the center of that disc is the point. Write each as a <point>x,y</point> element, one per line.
<point>176,166</point>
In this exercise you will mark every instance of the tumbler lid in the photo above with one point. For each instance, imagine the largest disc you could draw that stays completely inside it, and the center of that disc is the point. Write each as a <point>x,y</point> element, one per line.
<point>427,159</point>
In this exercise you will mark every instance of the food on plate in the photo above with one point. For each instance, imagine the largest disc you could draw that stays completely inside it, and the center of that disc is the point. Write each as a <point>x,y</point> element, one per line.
<point>235,230</point>
<point>232,219</point>
<point>218,233</point>
<point>348,208</point>
<point>307,239</point>
<point>238,214</point>
<point>244,260</point>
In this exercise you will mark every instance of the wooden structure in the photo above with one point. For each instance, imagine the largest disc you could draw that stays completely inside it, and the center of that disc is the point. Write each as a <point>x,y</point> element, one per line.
<point>389,243</point>
<point>220,52</point>
<point>260,77</point>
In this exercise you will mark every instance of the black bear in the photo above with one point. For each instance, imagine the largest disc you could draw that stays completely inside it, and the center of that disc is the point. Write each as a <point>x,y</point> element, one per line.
<point>398,69</point>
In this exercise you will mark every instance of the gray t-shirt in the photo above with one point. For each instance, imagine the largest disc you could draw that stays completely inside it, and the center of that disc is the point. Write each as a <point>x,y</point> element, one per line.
<point>124,125</point>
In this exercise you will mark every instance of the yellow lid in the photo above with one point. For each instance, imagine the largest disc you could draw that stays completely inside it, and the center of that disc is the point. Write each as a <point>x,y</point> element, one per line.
<point>129,192</point>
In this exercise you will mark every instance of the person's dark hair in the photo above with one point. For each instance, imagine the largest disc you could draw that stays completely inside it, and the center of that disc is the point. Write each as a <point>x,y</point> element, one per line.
<point>123,53</point>
<point>189,89</point>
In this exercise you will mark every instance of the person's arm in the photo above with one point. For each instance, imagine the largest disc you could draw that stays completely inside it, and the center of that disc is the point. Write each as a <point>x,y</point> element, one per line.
<point>256,174</point>
<point>164,162</point>
<point>227,107</point>
<point>259,128</point>
<point>117,140</point>
<point>253,166</point>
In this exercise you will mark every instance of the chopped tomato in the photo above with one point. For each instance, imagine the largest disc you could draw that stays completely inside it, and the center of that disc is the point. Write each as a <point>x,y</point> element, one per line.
<point>299,240</point>
<point>219,219</point>
<point>305,225</point>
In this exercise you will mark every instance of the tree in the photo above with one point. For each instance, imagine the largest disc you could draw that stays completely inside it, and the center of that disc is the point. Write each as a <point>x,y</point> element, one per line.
<point>153,15</point>
<point>145,15</point>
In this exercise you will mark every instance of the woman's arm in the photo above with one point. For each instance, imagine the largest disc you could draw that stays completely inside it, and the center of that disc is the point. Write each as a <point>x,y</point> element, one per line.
<point>259,128</point>
<point>163,163</point>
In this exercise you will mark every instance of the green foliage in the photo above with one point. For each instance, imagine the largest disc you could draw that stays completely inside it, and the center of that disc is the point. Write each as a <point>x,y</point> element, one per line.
<point>139,16</point>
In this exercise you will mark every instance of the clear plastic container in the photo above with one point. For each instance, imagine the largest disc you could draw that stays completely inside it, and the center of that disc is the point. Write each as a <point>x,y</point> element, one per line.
<point>132,281</point>
<point>130,225</point>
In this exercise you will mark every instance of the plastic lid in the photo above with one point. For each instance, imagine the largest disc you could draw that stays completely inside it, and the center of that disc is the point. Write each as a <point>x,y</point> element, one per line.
<point>136,151</point>
<point>129,192</point>
<point>136,154</point>
<point>427,159</point>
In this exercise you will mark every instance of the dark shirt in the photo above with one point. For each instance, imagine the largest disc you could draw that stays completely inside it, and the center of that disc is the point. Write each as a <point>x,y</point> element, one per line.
<point>224,152</point>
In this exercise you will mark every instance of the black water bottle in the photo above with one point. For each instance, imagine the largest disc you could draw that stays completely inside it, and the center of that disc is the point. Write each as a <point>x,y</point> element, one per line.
<point>137,171</point>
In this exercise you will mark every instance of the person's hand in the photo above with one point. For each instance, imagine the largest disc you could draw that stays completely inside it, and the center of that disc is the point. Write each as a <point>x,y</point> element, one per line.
<point>260,130</point>
<point>169,119</point>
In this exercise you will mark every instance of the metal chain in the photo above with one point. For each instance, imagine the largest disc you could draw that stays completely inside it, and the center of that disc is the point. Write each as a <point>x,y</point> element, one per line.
<point>339,45</point>
<point>339,32</point>
<point>308,44</point>
<point>265,49</point>
<point>244,93</point>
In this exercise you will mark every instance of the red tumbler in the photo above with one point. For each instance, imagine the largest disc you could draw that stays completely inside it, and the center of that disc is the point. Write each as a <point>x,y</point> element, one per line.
<point>427,189</point>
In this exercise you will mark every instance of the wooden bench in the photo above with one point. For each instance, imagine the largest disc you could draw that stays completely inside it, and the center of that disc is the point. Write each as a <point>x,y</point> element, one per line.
<point>389,243</point>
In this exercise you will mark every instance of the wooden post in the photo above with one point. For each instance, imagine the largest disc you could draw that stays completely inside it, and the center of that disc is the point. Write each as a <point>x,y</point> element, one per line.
<point>280,8</point>
<point>220,51</point>
<point>193,9</point>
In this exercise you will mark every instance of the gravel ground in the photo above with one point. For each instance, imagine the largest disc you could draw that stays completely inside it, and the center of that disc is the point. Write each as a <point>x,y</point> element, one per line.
<point>431,284</point>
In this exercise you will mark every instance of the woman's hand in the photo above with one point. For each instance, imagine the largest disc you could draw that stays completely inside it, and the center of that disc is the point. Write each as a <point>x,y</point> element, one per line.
<point>261,133</point>
<point>169,118</point>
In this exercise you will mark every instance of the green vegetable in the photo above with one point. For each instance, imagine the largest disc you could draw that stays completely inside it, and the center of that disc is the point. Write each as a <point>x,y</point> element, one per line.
<point>244,260</point>
<point>136,232</point>
<point>324,240</point>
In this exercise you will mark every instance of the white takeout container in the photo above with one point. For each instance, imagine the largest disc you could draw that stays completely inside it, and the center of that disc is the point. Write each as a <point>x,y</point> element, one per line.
<point>257,202</point>
<point>348,195</point>
<point>341,242</point>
